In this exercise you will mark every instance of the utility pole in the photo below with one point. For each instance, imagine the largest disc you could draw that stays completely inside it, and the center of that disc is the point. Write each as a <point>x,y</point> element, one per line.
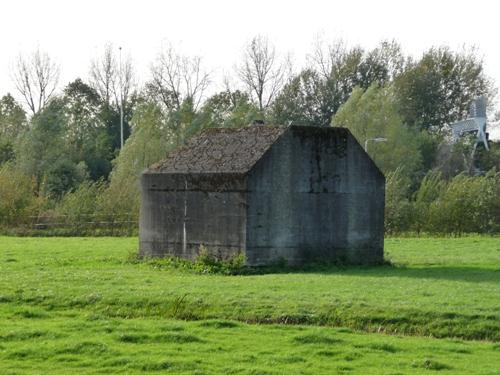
<point>121,100</point>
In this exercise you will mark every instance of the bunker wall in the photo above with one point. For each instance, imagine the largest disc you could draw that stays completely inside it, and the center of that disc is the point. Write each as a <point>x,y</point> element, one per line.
<point>315,195</point>
<point>181,213</point>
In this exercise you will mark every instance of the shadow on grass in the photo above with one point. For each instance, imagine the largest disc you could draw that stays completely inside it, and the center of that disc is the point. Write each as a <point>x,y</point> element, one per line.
<point>468,274</point>
<point>385,269</point>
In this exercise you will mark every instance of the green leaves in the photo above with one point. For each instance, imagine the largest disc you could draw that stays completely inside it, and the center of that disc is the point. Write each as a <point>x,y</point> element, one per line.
<point>373,114</point>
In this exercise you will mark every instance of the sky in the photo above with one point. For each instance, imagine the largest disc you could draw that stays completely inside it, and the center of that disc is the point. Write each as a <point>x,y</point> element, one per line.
<point>74,32</point>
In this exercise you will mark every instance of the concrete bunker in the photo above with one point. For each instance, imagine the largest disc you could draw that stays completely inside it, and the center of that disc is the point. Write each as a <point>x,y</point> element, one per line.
<point>295,193</point>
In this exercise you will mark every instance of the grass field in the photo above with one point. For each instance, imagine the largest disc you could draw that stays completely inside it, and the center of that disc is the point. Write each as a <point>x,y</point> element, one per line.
<point>79,304</point>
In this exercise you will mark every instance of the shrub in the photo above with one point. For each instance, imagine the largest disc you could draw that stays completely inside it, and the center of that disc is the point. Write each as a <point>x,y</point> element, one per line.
<point>430,188</point>
<point>207,262</point>
<point>467,205</point>
<point>17,197</point>
<point>397,204</point>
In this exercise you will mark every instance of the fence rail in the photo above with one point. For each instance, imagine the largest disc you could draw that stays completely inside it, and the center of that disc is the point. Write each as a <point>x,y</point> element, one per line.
<point>74,225</point>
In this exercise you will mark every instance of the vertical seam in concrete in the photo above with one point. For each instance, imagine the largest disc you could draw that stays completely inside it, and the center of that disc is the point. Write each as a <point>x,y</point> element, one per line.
<point>184,234</point>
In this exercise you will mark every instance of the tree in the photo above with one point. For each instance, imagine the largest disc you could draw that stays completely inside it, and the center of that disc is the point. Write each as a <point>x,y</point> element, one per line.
<point>314,95</point>
<point>17,196</point>
<point>489,159</point>
<point>112,78</point>
<point>229,109</point>
<point>81,104</point>
<point>85,129</point>
<point>148,143</point>
<point>44,144</point>
<point>12,118</point>
<point>262,72</point>
<point>12,124</point>
<point>438,89</point>
<point>177,78</point>
<point>374,114</point>
<point>303,101</point>
<point>63,176</point>
<point>103,74</point>
<point>351,67</point>
<point>383,64</point>
<point>6,151</point>
<point>36,77</point>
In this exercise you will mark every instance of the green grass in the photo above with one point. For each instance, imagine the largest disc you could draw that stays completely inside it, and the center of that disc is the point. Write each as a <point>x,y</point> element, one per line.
<point>65,343</point>
<point>79,303</point>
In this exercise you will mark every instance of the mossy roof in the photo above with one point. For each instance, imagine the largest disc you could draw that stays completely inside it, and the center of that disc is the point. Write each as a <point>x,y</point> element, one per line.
<point>221,151</point>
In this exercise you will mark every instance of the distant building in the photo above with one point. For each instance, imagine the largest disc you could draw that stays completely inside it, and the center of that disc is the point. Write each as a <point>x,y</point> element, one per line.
<point>273,193</point>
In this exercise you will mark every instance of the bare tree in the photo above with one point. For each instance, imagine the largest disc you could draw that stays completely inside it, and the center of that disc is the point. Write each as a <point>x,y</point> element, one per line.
<point>103,72</point>
<point>111,77</point>
<point>126,79</point>
<point>176,78</point>
<point>326,58</point>
<point>36,77</point>
<point>262,72</point>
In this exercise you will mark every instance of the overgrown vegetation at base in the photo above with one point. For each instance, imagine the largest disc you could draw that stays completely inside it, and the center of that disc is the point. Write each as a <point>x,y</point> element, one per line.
<point>205,263</point>
<point>84,304</point>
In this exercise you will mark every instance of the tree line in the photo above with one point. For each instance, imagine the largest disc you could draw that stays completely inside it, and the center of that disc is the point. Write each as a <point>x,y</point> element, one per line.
<point>61,152</point>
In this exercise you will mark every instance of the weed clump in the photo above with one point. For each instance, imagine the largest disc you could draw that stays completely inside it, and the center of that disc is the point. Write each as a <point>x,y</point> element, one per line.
<point>205,263</point>
<point>430,364</point>
<point>316,339</point>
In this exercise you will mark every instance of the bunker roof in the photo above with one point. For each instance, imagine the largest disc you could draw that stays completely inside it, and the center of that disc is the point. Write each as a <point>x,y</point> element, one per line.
<point>221,151</point>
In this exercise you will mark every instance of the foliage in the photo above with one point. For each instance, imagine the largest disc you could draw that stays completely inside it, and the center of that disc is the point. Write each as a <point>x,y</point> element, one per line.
<point>463,204</point>
<point>467,205</point>
<point>80,205</point>
<point>489,159</point>
<point>44,144</point>
<point>430,189</point>
<point>12,118</point>
<point>6,151</point>
<point>428,146</point>
<point>85,129</point>
<point>62,177</point>
<point>17,197</point>
<point>373,114</point>
<point>146,145</point>
<point>314,95</point>
<point>438,89</point>
<point>397,205</point>
<point>73,138</point>
<point>302,101</point>
<point>205,263</point>
<point>229,109</point>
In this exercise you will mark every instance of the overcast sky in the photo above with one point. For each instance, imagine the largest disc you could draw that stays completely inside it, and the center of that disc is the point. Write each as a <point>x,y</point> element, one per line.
<point>73,32</point>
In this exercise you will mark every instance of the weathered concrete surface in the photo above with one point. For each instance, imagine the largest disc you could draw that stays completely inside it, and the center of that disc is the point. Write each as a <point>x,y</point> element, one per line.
<point>180,213</point>
<point>311,193</point>
<point>315,195</point>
